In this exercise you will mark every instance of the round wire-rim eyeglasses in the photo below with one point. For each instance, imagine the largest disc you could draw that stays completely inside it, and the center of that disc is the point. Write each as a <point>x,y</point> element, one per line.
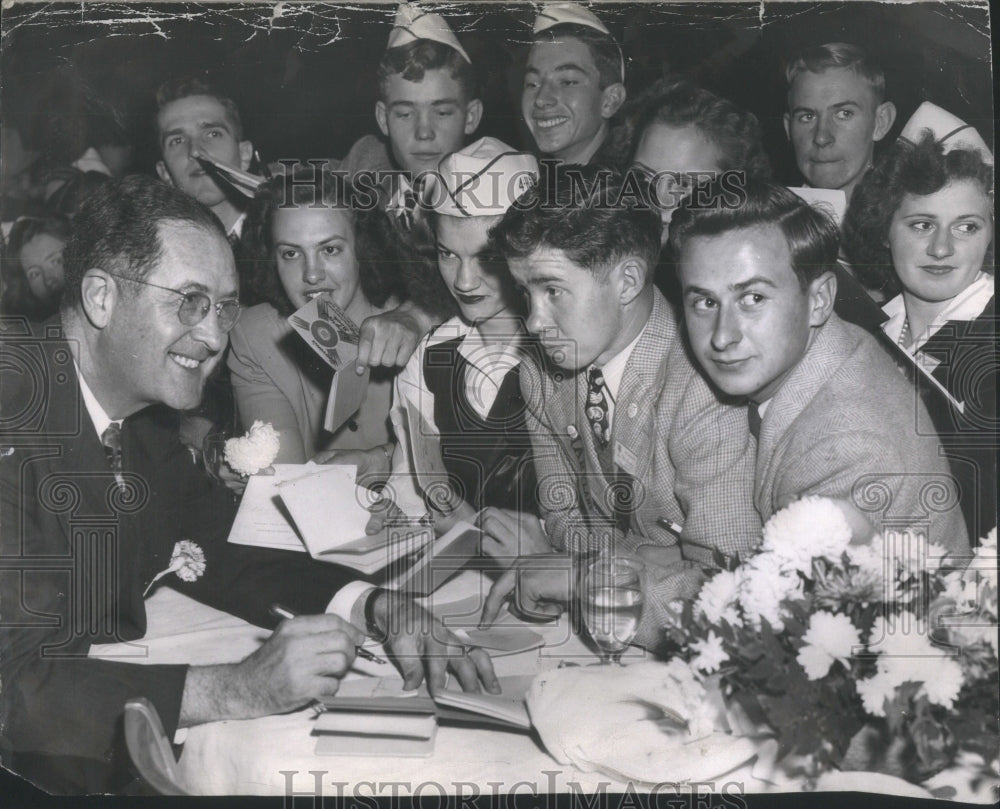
<point>195,305</point>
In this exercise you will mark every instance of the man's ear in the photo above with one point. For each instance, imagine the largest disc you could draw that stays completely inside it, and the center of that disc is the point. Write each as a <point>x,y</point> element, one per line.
<point>630,275</point>
<point>246,154</point>
<point>381,117</point>
<point>98,294</point>
<point>473,115</point>
<point>822,296</point>
<point>161,170</point>
<point>612,97</point>
<point>786,119</point>
<point>885,115</point>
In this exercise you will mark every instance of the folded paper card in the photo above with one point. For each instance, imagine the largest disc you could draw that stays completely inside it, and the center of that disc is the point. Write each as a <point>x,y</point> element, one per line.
<point>328,508</point>
<point>448,555</point>
<point>425,452</point>
<point>320,509</point>
<point>347,394</point>
<point>328,331</point>
<point>262,519</point>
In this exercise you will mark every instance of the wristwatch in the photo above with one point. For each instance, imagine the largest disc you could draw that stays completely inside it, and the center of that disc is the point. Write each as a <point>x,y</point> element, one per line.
<point>372,629</point>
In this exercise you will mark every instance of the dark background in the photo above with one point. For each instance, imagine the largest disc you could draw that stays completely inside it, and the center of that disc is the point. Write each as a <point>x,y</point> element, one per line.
<point>303,74</point>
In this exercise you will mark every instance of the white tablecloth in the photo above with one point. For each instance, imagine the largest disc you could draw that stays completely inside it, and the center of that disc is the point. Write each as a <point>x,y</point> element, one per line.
<point>274,755</point>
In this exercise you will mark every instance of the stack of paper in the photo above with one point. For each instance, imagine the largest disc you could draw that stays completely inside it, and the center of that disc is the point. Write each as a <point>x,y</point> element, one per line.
<point>387,726</point>
<point>378,722</point>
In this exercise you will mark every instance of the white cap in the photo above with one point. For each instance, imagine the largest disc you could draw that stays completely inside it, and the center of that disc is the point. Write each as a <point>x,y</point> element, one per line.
<point>950,131</point>
<point>553,14</point>
<point>483,179</point>
<point>559,13</point>
<point>831,201</point>
<point>413,23</point>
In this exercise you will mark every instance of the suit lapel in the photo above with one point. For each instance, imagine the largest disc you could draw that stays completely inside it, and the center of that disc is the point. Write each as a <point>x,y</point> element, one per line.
<point>633,429</point>
<point>821,362</point>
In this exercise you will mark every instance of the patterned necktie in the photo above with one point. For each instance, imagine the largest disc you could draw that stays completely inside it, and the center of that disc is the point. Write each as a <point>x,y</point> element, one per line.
<point>753,415</point>
<point>597,407</point>
<point>111,438</point>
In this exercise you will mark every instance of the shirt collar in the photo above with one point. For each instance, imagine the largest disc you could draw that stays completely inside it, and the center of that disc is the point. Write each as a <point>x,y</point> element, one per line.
<point>967,305</point>
<point>614,368</point>
<point>97,414</point>
<point>236,230</point>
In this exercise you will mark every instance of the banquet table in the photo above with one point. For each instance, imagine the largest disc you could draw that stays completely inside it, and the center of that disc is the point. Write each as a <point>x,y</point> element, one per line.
<point>275,754</point>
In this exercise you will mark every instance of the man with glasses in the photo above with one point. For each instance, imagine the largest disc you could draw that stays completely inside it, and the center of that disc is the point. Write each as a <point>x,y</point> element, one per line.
<point>97,495</point>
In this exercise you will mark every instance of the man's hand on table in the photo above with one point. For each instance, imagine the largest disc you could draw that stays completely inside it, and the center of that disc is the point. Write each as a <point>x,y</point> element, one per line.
<point>511,534</point>
<point>540,586</point>
<point>390,338</point>
<point>422,647</point>
<point>302,660</point>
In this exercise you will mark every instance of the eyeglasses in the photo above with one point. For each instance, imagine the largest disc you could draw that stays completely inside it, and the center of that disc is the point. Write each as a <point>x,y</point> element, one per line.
<point>194,306</point>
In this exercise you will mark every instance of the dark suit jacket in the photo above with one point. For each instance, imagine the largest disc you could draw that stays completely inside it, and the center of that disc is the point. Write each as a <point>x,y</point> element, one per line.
<point>77,553</point>
<point>966,351</point>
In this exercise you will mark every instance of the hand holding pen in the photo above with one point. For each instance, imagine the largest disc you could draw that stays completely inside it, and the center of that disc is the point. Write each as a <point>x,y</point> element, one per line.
<point>279,611</point>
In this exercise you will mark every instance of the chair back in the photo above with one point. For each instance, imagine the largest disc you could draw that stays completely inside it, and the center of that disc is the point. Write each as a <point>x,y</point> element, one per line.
<point>150,749</point>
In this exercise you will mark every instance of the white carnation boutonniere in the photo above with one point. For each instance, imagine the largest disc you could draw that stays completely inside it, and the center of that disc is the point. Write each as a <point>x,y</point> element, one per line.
<point>256,450</point>
<point>187,561</point>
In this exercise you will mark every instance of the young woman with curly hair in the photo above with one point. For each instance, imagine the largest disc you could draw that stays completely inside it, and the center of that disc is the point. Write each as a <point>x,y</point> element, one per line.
<point>309,236</point>
<point>920,228</point>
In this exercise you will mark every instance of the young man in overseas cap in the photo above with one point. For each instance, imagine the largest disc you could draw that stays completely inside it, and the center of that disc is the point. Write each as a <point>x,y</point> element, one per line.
<point>463,381</point>
<point>837,112</point>
<point>633,451</point>
<point>832,415</point>
<point>428,98</point>
<point>428,104</point>
<point>573,83</point>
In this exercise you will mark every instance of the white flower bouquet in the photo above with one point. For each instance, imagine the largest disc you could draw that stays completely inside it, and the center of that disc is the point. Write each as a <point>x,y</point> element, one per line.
<point>872,657</point>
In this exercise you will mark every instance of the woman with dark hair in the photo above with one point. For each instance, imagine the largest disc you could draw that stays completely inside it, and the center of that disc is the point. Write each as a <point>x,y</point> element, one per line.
<point>304,238</point>
<point>34,267</point>
<point>676,134</point>
<point>920,227</point>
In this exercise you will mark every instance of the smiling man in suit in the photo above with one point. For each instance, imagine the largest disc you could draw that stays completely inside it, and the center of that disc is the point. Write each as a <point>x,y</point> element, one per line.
<point>628,438</point>
<point>833,416</point>
<point>151,295</point>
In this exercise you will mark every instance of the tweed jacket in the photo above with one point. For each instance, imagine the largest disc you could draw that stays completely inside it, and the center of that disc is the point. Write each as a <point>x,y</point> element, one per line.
<point>845,424</point>
<point>680,455</point>
<point>76,556</point>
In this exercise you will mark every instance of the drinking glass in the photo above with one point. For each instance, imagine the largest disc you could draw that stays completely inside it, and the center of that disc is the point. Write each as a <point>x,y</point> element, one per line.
<point>612,604</point>
<point>213,453</point>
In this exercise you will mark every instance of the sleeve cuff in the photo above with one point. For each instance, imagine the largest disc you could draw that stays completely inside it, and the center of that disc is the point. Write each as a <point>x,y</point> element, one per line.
<point>346,597</point>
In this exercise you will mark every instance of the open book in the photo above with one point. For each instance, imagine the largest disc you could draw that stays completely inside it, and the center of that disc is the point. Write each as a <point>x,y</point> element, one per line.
<point>366,715</point>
